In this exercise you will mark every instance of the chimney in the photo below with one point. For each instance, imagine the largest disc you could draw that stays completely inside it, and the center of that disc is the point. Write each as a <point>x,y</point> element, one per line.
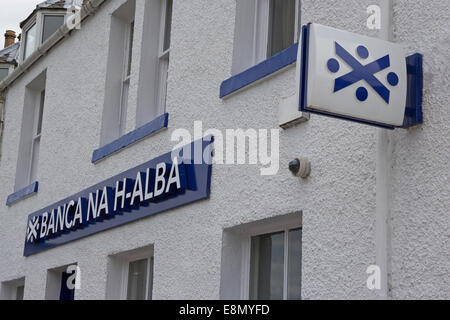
<point>10,38</point>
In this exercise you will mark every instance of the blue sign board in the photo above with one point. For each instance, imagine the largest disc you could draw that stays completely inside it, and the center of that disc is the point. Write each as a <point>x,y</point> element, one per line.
<point>166,182</point>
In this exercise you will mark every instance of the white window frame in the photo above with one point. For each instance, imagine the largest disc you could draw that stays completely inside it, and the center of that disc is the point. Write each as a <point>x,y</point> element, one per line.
<point>24,44</point>
<point>115,118</point>
<point>36,136</point>
<point>154,64</point>
<point>29,135</point>
<point>163,59</point>
<point>126,77</point>
<point>118,267</point>
<point>125,271</point>
<point>246,254</point>
<point>260,45</point>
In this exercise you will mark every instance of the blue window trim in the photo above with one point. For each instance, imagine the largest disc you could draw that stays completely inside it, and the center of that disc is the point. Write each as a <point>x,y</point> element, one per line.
<point>23,193</point>
<point>259,71</point>
<point>131,137</point>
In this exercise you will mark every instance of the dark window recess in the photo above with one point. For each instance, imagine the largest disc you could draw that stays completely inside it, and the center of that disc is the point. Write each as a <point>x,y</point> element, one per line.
<point>168,25</point>
<point>66,293</point>
<point>281,26</point>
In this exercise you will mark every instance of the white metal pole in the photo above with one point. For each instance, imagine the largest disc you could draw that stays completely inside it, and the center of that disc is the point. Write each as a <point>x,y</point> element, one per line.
<point>2,103</point>
<point>383,172</point>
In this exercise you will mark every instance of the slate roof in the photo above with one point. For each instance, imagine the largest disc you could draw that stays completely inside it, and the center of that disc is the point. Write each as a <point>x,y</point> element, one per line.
<point>10,54</point>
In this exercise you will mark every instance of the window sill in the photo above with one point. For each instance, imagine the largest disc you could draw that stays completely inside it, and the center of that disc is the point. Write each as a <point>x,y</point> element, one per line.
<point>260,71</point>
<point>130,138</point>
<point>23,193</point>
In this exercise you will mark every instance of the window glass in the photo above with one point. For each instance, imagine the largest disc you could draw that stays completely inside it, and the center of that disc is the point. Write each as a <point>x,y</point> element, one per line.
<point>30,41</point>
<point>3,73</point>
<point>130,48</point>
<point>267,267</point>
<point>281,26</point>
<point>137,280</point>
<point>168,24</point>
<point>19,292</point>
<point>51,24</point>
<point>35,159</point>
<point>150,281</point>
<point>294,264</point>
<point>41,112</point>
<point>124,106</point>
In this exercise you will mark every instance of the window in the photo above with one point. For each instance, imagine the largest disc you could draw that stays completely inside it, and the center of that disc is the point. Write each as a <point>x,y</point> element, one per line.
<point>281,26</point>
<point>39,28</point>
<point>152,90</point>
<point>51,24</point>
<point>275,266</point>
<point>140,279</point>
<point>36,138</point>
<point>130,275</point>
<point>13,290</point>
<point>3,73</point>
<point>119,73</point>
<point>263,28</point>
<point>153,67</point>
<point>61,282</point>
<point>164,51</point>
<point>261,260</point>
<point>20,292</point>
<point>27,167</point>
<point>126,75</point>
<point>30,41</point>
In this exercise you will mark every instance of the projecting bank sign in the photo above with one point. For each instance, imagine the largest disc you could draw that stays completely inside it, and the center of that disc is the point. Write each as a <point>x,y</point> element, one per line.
<point>166,182</point>
<point>355,77</point>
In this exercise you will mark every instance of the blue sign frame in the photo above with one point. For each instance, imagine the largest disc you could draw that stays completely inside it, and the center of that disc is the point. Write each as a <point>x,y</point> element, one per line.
<point>193,167</point>
<point>413,110</point>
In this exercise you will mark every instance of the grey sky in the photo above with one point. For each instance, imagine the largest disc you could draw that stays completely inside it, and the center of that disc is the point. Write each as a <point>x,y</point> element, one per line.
<point>12,13</point>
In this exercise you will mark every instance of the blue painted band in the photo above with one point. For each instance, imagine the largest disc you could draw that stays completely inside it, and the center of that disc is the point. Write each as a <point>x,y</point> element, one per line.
<point>259,71</point>
<point>131,137</point>
<point>304,60</point>
<point>23,193</point>
<point>413,111</point>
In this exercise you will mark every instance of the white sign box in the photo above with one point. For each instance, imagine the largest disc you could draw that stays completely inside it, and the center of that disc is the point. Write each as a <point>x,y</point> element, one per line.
<point>351,76</point>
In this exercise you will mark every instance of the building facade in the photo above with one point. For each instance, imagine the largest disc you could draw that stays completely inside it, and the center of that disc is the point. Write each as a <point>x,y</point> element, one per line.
<point>87,103</point>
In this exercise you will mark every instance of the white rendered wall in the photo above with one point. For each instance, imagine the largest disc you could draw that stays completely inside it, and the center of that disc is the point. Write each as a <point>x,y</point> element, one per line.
<point>337,201</point>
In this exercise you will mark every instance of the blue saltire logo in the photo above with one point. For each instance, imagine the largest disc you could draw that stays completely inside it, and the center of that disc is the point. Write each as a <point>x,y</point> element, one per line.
<point>362,72</point>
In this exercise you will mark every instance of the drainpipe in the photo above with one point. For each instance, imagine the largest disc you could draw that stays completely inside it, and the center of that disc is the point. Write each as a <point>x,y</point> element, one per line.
<point>384,147</point>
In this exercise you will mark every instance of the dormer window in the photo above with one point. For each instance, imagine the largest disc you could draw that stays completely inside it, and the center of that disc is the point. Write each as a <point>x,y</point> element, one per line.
<point>52,22</point>
<point>39,28</point>
<point>30,41</point>
<point>3,72</point>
